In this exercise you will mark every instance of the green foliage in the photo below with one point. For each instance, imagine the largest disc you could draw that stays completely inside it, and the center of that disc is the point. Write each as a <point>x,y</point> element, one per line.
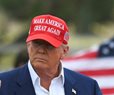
<point>23,9</point>
<point>83,13</point>
<point>102,9</point>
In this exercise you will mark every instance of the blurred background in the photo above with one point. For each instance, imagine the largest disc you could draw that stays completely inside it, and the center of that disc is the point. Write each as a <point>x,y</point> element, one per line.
<point>91,22</point>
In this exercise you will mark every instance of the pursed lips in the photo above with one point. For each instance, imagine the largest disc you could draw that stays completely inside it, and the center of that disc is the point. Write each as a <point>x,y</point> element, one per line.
<point>40,59</point>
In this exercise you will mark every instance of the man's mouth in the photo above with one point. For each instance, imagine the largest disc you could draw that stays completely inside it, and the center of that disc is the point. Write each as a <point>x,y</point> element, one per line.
<point>40,59</point>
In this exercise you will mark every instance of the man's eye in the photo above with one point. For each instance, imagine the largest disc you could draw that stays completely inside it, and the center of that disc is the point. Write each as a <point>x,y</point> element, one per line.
<point>50,47</point>
<point>37,42</point>
<point>43,44</point>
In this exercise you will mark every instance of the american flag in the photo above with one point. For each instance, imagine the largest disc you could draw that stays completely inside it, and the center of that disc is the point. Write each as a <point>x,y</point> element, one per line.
<point>97,63</point>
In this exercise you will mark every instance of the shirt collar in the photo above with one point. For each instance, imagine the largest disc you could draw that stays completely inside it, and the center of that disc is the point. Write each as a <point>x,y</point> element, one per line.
<point>34,75</point>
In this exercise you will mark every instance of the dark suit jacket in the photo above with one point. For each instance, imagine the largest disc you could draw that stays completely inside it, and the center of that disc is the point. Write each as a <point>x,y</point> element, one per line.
<point>18,82</point>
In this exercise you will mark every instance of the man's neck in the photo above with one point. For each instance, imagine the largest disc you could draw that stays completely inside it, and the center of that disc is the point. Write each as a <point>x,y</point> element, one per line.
<point>49,73</point>
<point>46,76</point>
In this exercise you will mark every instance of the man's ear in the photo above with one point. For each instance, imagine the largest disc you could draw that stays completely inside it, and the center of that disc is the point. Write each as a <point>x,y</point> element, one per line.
<point>65,51</point>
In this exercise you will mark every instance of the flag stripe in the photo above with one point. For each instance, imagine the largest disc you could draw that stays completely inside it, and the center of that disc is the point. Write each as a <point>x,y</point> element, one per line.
<point>106,72</point>
<point>89,64</point>
<point>105,81</point>
<point>108,91</point>
<point>89,55</point>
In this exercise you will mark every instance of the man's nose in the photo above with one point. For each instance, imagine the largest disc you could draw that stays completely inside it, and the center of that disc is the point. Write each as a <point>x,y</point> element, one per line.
<point>42,49</point>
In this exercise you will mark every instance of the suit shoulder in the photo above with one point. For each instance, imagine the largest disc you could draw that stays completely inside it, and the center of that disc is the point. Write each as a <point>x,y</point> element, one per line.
<point>10,74</point>
<point>85,83</point>
<point>78,76</point>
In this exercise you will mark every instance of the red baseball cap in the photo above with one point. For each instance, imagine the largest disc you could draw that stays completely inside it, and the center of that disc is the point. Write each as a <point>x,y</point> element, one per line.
<point>49,28</point>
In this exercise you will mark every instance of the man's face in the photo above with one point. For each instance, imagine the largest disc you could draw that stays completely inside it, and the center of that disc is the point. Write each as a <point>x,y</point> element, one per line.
<point>44,55</point>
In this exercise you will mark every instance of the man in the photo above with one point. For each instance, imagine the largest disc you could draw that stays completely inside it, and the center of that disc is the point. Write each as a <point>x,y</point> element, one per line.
<point>47,44</point>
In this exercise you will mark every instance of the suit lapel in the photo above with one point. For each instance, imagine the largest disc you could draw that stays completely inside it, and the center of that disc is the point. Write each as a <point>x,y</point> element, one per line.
<point>24,82</point>
<point>69,88</point>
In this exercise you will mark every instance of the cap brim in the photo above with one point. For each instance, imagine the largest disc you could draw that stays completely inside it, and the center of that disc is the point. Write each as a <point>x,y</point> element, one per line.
<point>53,41</point>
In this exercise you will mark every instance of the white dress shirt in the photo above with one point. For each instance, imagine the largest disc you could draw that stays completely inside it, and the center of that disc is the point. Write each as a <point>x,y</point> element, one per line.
<point>56,86</point>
